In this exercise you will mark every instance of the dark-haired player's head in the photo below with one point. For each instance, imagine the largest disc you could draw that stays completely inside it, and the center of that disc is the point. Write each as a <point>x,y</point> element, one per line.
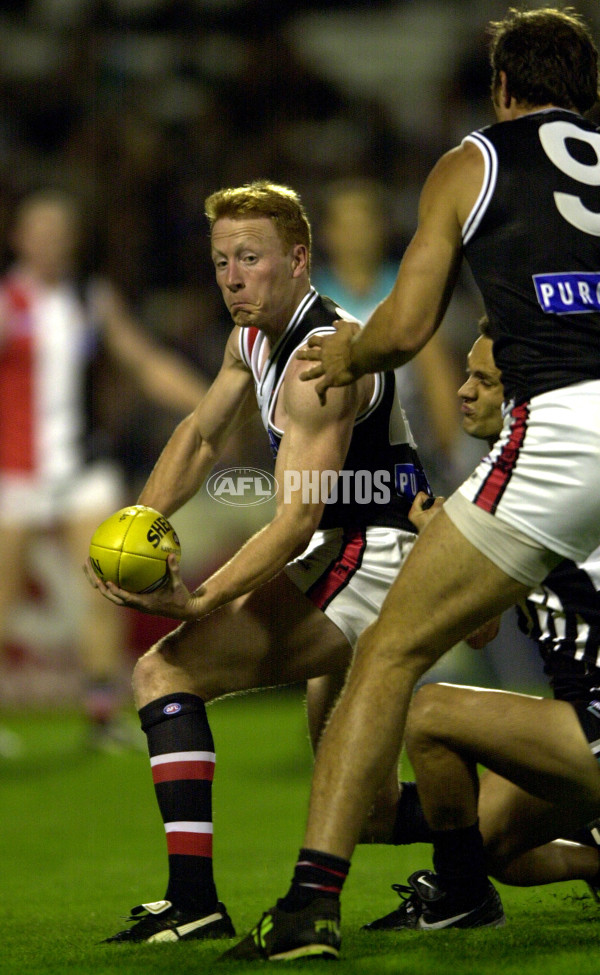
<point>549,58</point>
<point>482,392</point>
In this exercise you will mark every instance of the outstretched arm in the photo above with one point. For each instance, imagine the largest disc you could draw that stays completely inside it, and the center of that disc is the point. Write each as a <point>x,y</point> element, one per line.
<point>163,376</point>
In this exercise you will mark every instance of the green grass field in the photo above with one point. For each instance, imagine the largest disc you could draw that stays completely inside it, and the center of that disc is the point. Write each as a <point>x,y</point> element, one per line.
<point>81,843</point>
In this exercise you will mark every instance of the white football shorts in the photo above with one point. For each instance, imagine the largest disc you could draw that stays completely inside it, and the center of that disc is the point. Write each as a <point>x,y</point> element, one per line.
<point>41,502</point>
<point>534,499</point>
<point>348,573</point>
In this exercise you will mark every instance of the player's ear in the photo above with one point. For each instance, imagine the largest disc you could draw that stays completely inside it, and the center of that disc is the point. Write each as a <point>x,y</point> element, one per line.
<point>299,259</point>
<point>504,94</point>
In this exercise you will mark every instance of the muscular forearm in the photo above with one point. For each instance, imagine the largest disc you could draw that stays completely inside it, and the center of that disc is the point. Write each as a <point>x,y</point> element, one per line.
<point>377,347</point>
<point>180,470</point>
<point>166,379</point>
<point>259,560</point>
<point>405,321</point>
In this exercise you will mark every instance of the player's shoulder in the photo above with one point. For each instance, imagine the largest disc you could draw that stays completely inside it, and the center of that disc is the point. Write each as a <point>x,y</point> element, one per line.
<point>238,348</point>
<point>322,319</point>
<point>458,163</point>
<point>301,397</point>
<point>332,312</point>
<point>453,185</point>
<point>15,301</point>
<point>15,290</point>
<point>302,403</point>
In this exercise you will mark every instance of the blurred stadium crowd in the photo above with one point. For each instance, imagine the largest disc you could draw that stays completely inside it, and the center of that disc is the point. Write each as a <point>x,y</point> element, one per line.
<point>141,108</point>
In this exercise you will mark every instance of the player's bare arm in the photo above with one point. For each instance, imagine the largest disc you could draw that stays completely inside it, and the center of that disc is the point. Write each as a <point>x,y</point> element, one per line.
<point>403,323</point>
<point>199,440</point>
<point>163,376</point>
<point>190,455</point>
<point>315,439</point>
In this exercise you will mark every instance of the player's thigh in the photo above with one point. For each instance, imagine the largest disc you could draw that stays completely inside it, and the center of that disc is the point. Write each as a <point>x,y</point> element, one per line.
<point>536,743</point>
<point>77,534</point>
<point>512,820</point>
<point>271,636</point>
<point>445,589</point>
<point>93,494</point>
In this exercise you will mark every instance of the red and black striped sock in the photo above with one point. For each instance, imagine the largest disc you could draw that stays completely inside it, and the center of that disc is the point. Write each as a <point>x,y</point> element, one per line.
<point>316,875</point>
<point>182,758</point>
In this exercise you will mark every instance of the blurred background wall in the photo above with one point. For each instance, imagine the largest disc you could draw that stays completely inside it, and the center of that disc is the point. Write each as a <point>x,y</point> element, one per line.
<point>140,108</point>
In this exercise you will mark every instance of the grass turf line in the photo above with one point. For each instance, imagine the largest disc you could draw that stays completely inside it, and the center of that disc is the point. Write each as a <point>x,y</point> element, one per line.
<point>81,843</point>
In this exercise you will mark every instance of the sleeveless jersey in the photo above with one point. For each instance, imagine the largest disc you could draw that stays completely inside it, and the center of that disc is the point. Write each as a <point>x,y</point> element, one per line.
<point>563,617</point>
<point>532,241</point>
<point>382,471</point>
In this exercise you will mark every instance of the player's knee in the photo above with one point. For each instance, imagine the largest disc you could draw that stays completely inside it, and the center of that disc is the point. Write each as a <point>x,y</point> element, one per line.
<point>379,646</point>
<point>150,676</point>
<point>423,724</point>
<point>499,853</point>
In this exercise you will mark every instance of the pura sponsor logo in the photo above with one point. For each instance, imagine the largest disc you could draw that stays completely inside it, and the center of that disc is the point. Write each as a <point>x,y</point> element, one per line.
<point>572,292</point>
<point>409,480</point>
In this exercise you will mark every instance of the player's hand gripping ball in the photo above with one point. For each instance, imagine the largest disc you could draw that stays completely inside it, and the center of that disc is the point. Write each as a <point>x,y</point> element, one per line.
<point>131,549</point>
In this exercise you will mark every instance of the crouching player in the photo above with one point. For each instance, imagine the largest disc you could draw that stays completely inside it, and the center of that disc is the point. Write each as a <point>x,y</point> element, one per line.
<point>543,780</point>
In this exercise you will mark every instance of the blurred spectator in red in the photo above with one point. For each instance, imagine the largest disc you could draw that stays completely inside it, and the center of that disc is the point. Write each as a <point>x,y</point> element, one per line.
<point>54,475</point>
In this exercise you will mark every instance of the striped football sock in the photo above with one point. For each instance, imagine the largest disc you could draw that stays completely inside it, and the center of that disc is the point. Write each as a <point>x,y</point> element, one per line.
<point>182,759</point>
<point>316,875</point>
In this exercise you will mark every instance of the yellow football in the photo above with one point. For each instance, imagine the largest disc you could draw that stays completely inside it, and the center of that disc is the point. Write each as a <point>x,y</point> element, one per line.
<point>131,548</point>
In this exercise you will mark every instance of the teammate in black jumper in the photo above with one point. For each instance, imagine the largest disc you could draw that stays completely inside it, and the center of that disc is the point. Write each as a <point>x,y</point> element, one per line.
<point>510,731</point>
<point>526,188</point>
